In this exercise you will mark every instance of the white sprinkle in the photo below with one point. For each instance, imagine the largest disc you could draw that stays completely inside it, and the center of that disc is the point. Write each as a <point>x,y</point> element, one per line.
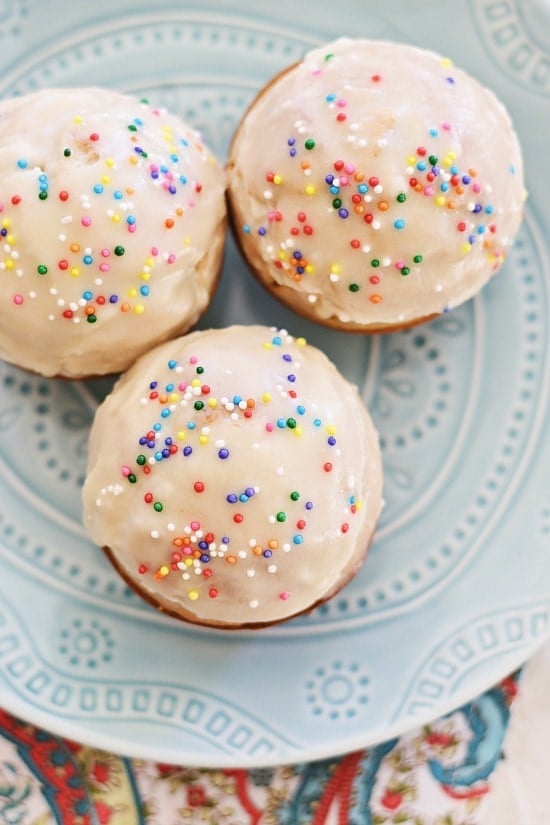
<point>154,534</point>
<point>253,603</point>
<point>272,568</point>
<point>250,573</point>
<point>312,299</point>
<point>171,527</point>
<point>67,219</point>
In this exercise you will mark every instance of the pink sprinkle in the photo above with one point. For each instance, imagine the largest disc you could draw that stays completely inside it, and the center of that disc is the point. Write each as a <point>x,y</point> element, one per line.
<point>341,102</point>
<point>105,253</point>
<point>104,267</point>
<point>182,386</point>
<point>428,190</point>
<point>399,264</point>
<point>316,72</point>
<point>195,525</point>
<point>125,471</point>
<point>285,595</point>
<point>269,427</point>
<point>344,180</point>
<point>131,227</point>
<point>86,220</point>
<point>349,168</point>
<point>446,125</point>
<point>171,258</point>
<point>154,251</point>
<point>476,187</point>
<point>18,299</point>
<point>193,359</point>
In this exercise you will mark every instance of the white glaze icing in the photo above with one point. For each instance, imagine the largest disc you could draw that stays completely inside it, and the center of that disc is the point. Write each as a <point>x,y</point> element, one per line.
<point>113,224</point>
<point>426,167</point>
<point>285,516</point>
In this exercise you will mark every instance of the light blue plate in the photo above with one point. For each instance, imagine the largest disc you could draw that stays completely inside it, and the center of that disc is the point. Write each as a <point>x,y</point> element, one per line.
<point>456,590</point>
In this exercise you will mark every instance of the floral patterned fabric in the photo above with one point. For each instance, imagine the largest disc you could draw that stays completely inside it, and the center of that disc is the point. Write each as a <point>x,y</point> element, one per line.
<point>436,775</point>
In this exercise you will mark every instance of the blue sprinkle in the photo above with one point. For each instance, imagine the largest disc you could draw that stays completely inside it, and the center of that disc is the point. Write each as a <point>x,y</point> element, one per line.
<point>231,498</point>
<point>291,378</point>
<point>277,340</point>
<point>172,364</point>
<point>165,413</point>
<point>298,539</point>
<point>421,165</point>
<point>331,440</point>
<point>262,230</point>
<point>243,497</point>
<point>281,423</point>
<point>399,223</point>
<point>191,425</point>
<point>309,505</point>
<point>87,259</point>
<point>158,456</point>
<point>157,427</point>
<point>144,290</point>
<point>317,422</point>
<point>246,229</point>
<point>22,164</point>
<point>250,491</point>
<point>118,195</point>
<point>98,189</point>
<point>88,295</point>
<point>362,188</point>
<point>223,453</point>
<point>131,219</point>
<point>187,451</point>
<point>287,357</point>
<point>300,409</point>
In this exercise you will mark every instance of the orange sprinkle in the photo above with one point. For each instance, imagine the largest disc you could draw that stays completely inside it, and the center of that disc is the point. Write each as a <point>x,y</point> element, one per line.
<point>257,550</point>
<point>383,206</point>
<point>90,310</point>
<point>305,164</point>
<point>169,223</point>
<point>375,299</point>
<point>179,211</point>
<point>273,544</point>
<point>250,403</point>
<point>125,307</point>
<point>359,176</point>
<point>75,247</point>
<point>231,559</point>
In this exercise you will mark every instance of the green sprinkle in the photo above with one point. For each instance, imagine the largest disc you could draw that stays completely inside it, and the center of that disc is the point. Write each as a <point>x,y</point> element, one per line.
<point>375,262</point>
<point>433,159</point>
<point>336,203</point>
<point>91,319</point>
<point>199,370</point>
<point>43,196</point>
<point>329,56</point>
<point>119,250</point>
<point>405,270</point>
<point>295,495</point>
<point>132,478</point>
<point>417,259</point>
<point>158,506</point>
<point>132,128</point>
<point>67,153</point>
<point>401,198</point>
<point>291,423</point>
<point>41,269</point>
<point>281,516</point>
<point>141,460</point>
<point>198,405</point>
<point>353,287</point>
<point>310,143</point>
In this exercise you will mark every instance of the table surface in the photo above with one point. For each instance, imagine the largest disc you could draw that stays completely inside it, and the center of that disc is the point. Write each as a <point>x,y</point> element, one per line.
<point>480,765</point>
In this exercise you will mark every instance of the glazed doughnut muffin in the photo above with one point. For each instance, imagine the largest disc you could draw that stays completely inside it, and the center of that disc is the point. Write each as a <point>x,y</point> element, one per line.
<point>374,185</point>
<point>234,477</point>
<point>112,216</point>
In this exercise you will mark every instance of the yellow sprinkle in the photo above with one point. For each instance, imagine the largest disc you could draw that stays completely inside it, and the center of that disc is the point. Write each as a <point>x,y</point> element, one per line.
<point>267,345</point>
<point>301,342</point>
<point>75,272</point>
<point>451,155</point>
<point>447,161</point>
<point>465,248</point>
<point>440,200</point>
<point>116,218</point>
<point>110,162</point>
<point>298,431</point>
<point>6,223</point>
<point>182,435</point>
<point>282,255</point>
<point>203,439</point>
<point>132,292</point>
<point>163,571</point>
<point>139,309</point>
<point>9,264</point>
<point>188,562</point>
<point>446,62</point>
<point>411,160</point>
<point>77,119</point>
<point>10,239</point>
<point>187,241</point>
<point>196,382</point>
<point>149,262</point>
<point>145,276</point>
<point>212,403</point>
<point>105,179</point>
<point>310,189</point>
<point>267,397</point>
<point>309,268</point>
<point>133,160</point>
<point>335,269</point>
<point>173,397</point>
<point>331,429</point>
<point>277,179</point>
<point>193,595</point>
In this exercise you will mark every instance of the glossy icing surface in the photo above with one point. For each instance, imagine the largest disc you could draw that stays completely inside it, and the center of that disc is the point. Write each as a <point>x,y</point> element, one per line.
<point>112,219</point>
<point>377,183</point>
<point>235,476</point>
